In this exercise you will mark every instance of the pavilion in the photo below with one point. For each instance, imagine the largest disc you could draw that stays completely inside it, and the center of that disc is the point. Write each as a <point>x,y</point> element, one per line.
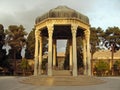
<point>62,22</point>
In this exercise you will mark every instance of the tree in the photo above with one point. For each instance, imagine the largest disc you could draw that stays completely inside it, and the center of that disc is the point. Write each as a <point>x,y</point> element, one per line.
<point>112,41</point>
<point>2,42</point>
<point>30,46</point>
<point>95,39</point>
<point>2,36</point>
<point>3,58</point>
<point>16,40</point>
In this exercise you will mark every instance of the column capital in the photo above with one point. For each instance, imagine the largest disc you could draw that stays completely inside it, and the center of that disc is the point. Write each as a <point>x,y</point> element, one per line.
<point>50,30</point>
<point>37,33</point>
<point>74,28</point>
<point>40,38</point>
<point>50,27</point>
<point>87,34</point>
<point>87,31</point>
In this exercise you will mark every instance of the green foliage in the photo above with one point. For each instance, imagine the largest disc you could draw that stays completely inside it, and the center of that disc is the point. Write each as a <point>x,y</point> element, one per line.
<point>44,45</point>
<point>2,36</point>
<point>24,64</point>
<point>3,58</point>
<point>95,39</point>
<point>102,66</point>
<point>79,59</point>
<point>112,41</point>
<point>112,38</point>
<point>44,64</point>
<point>79,44</point>
<point>116,65</point>
<point>15,36</point>
<point>16,40</point>
<point>4,63</point>
<point>30,49</point>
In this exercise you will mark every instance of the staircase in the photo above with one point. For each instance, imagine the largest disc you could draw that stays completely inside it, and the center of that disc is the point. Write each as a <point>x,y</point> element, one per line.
<point>62,73</point>
<point>62,80</point>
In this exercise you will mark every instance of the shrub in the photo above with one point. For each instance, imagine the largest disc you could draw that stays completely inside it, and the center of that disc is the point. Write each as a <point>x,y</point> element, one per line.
<point>101,67</point>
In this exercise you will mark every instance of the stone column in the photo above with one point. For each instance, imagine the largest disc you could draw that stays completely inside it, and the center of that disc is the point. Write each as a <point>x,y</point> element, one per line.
<point>70,53</point>
<point>36,53</point>
<point>74,29</point>
<point>50,33</point>
<point>54,53</point>
<point>40,55</point>
<point>87,33</point>
<point>84,56</point>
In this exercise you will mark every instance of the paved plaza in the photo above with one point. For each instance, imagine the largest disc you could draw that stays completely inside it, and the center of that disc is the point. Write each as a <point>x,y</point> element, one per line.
<point>12,83</point>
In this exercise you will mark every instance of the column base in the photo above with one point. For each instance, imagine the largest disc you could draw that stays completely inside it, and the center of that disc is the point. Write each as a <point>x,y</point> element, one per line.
<point>39,73</point>
<point>35,73</point>
<point>85,72</point>
<point>71,67</point>
<point>54,67</point>
<point>49,72</point>
<point>75,73</point>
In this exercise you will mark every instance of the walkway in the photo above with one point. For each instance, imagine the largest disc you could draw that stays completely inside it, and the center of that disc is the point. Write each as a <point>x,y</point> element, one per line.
<point>11,83</point>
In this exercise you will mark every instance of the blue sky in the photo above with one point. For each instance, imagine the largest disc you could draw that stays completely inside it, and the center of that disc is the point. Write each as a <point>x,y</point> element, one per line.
<point>101,13</point>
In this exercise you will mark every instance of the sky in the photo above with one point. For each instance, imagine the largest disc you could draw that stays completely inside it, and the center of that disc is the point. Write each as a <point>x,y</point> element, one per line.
<point>101,13</point>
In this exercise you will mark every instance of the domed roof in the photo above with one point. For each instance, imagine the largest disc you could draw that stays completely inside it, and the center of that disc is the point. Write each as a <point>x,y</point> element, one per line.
<point>63,12</point>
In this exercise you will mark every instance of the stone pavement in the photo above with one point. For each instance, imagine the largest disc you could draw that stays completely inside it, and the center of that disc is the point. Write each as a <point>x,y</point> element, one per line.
<point>12,83</point>
<point>81,80</point>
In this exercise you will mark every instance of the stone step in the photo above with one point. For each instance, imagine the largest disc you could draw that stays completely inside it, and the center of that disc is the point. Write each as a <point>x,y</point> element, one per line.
<point>62,73</point>
<point>62,80</point>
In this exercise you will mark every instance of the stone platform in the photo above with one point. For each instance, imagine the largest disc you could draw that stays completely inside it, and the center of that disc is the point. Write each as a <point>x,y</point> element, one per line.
<point>62,80</point>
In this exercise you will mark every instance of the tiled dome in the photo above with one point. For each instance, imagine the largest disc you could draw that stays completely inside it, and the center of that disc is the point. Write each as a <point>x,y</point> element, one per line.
<point>63,12</point>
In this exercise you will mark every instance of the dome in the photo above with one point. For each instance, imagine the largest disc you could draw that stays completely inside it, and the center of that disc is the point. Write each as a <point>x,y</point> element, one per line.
<point>63,12</point>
